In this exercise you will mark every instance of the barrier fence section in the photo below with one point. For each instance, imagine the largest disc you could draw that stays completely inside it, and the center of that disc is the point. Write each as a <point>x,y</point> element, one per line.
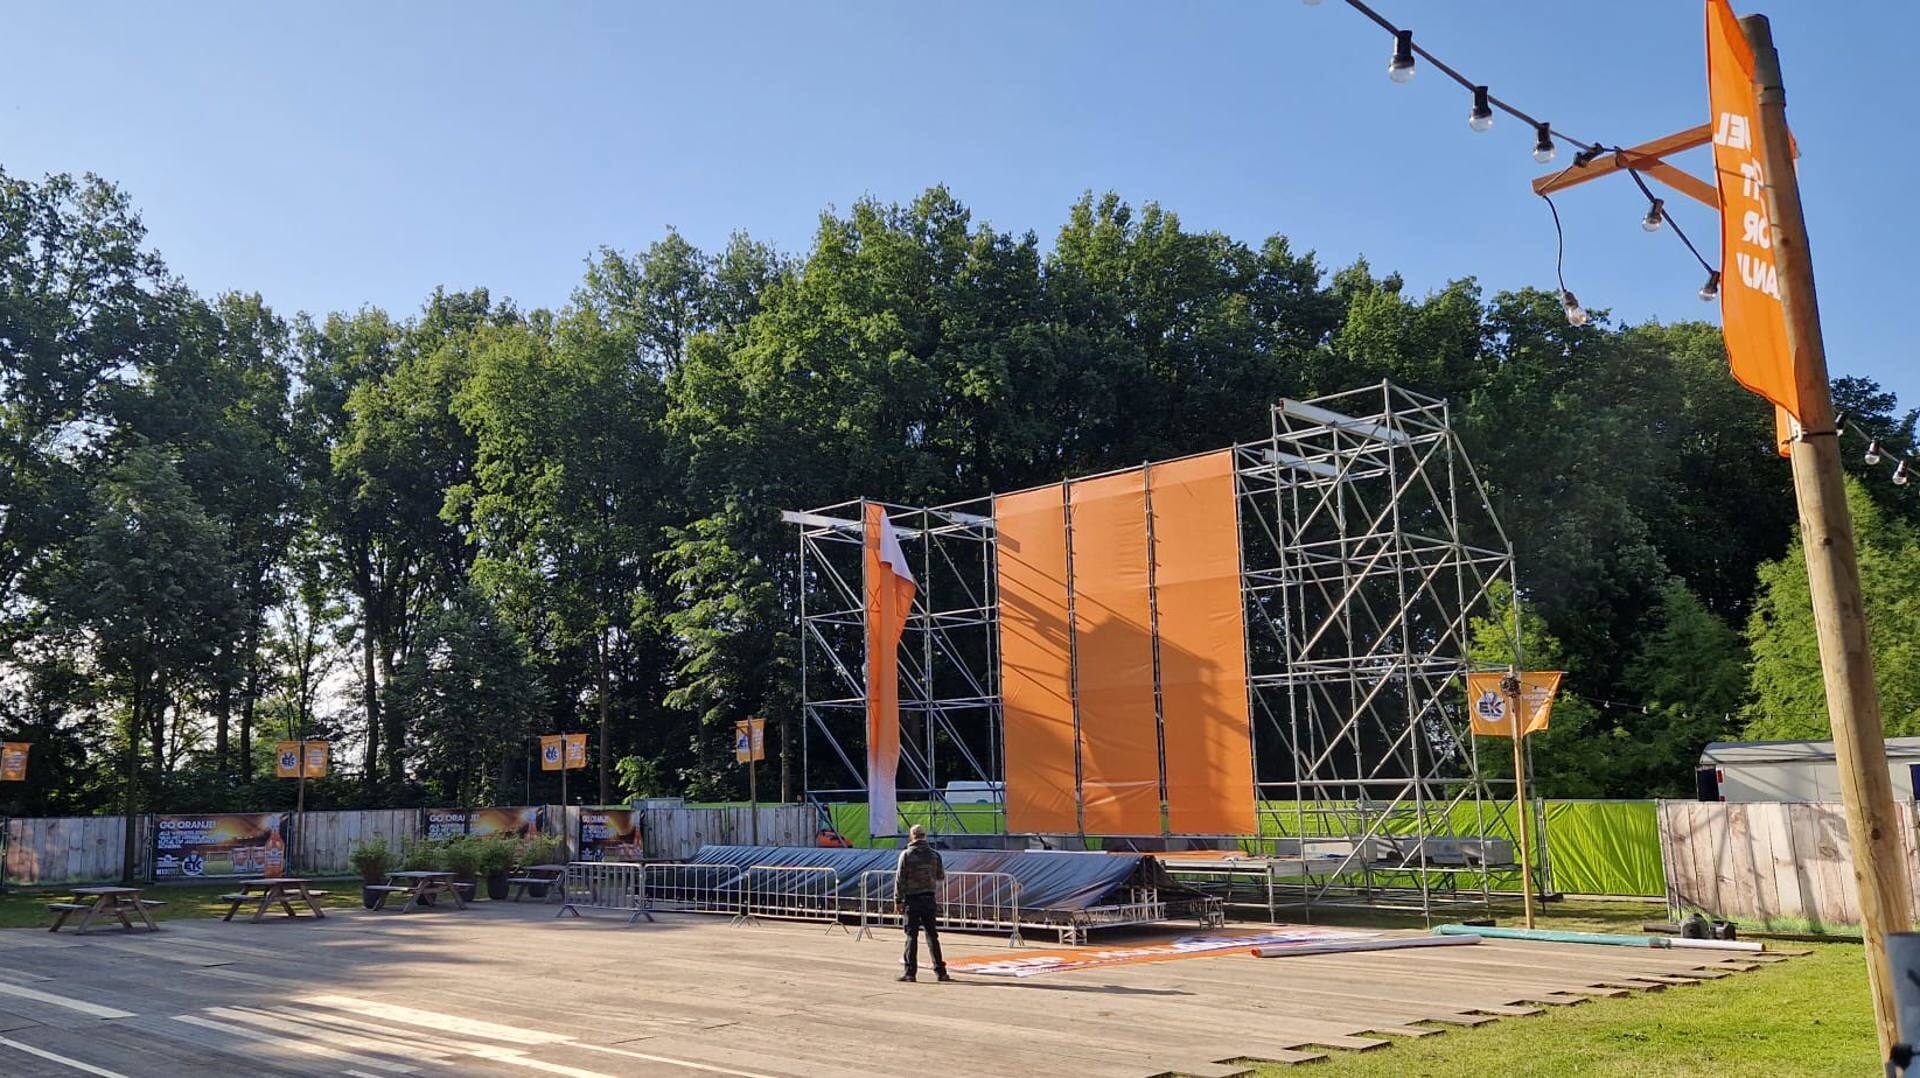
<point>684,888</point>
<point>618,886</point>
<point>794,894</point>
<point>969,902</point>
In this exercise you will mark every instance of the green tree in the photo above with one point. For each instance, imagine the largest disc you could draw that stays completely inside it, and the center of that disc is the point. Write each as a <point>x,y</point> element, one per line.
<point>470,695</point>
<point>567,489</point>
<point>1789,691</point>
<point>147,588</point>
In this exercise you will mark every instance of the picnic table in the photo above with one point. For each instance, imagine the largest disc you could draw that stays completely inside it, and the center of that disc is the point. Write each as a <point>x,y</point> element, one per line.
<point>93,902</point>
<point>421,888</point>
<point>277,890</point>
<point>554,877</point>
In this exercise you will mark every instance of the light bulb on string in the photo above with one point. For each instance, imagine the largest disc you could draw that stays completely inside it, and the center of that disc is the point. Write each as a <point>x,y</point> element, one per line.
<point>1900,475</point>
<point>1873,453</point>
<point>1840,423</point>
<point>1400,68</point>
<point>1656,216</point>
<point>1576,314</point>
<point>1711,290</point>
<point>1543,143</point>
<point>1585,157</point>
<point>1481,118</point>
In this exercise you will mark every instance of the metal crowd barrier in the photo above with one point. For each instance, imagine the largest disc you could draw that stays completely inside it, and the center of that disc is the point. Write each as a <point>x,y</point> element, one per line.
<point>969,902</point>
<point>606,885</point>
<point>792,893</point>
<point>684,888</point>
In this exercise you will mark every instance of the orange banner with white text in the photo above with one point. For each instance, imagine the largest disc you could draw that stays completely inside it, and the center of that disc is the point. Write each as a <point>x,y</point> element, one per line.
<point>1203,654</point>
<point>1492,708</point>
<point>889,589</point>
<point>1752,316</point>
<point>1036,671</point>
<point>1113,655</point>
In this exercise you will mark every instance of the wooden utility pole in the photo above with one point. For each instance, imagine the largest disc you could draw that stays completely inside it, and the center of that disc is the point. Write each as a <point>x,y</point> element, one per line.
<point>1510,688</point>
<point>1833,571</point>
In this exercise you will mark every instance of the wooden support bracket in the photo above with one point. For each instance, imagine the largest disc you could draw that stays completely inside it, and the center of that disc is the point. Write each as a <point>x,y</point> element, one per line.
<point>1648,158</point>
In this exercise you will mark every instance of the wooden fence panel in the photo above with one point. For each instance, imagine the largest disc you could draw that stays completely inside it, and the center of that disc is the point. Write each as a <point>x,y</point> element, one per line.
<point>678,833</point>
<point>65,849</point>
<point>1768,861</point>
<point>325,839</point>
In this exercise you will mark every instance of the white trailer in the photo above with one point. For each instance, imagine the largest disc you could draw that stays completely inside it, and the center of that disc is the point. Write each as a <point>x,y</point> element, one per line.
<point>1792,770</point>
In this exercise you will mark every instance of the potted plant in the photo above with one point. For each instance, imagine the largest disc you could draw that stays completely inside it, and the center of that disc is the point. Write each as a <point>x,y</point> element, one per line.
<point>463,860</point>
<point>372,859</point>
<point>496,864</point>
<point>541,850</point>
<point>425,856</point>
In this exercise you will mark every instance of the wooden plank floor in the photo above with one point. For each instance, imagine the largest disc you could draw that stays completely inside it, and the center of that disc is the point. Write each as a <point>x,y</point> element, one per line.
<point>506,988</point>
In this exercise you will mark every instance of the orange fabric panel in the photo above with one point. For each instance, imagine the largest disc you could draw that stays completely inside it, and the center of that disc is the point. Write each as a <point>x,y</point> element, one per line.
<point>1036,676</point>
<point>889,601</point>
<point>1752,317</point>
<point>1203,658</point>
<point>1113,653</point>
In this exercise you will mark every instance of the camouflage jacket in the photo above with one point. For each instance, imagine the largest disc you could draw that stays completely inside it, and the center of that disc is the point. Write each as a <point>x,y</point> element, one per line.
<point>920,870</point>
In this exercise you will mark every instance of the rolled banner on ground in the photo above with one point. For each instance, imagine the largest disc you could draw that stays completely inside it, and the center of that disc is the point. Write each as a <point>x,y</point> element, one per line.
<point>1547,935</point>
<point>1396,944</point>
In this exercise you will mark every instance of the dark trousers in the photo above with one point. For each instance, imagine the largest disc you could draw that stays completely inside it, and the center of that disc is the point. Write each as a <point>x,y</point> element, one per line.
<point>922,912</point>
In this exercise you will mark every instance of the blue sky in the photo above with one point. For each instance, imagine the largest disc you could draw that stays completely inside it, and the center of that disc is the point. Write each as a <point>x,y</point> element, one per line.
<point>339,154</point>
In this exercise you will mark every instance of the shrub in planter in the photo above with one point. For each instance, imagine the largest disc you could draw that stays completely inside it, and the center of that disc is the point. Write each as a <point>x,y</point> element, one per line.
<point>372,859</point>
<point>542,850</point>
<point>496,864</point>
<point>426,856</point>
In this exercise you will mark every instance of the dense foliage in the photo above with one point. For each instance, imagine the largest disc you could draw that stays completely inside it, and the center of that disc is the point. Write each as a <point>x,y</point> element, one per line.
<point>434,537</point>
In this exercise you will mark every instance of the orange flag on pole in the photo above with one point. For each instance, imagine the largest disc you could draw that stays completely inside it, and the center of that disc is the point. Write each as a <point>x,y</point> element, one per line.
<point>890,589</point>
<point>1752,318</point>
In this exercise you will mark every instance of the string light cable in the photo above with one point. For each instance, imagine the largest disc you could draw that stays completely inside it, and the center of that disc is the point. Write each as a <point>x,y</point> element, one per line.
<point>1401,68</point>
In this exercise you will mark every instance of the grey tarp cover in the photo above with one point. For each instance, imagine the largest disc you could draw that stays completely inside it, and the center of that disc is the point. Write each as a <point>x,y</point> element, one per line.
<point>1049,880</point>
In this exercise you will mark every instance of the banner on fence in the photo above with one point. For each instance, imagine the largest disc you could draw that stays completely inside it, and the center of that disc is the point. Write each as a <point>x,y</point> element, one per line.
<point>524,821</point>
<point>13,761</point>
<point>609,835</point>
<point>220,844</point>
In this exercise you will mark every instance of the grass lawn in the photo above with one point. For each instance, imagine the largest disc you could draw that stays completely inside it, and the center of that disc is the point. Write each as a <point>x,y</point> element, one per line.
<point>28,909</point>
<point>1805,1016</point>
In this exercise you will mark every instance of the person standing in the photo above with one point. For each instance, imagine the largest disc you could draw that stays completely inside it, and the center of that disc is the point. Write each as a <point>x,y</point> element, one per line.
<point>919,874</point>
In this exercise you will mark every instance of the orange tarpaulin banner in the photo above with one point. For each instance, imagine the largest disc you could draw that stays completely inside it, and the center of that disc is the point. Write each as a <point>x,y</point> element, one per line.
<point>1203,658</point>
<point>551,752</point>
<point>576,750</point>
<point>13,761</point>
<point>1487,703</point>
<point>1786,430</point>
<point>1036,673</point>
<point>1113,656</point>
<point>1752,317</point>
<point>889,592</point>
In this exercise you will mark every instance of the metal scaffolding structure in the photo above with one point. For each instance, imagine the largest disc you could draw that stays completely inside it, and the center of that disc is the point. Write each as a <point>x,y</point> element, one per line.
<point>949,659</point>
<point>1368,549</point>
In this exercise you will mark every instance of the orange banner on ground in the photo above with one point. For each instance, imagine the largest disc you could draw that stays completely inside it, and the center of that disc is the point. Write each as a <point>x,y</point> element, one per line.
<point>1752,316</point>
<point>1113,656</point>
<point>1036,673</point>
<point>1203,657</point>
<point>1488,704</point>
<point>889,593</point>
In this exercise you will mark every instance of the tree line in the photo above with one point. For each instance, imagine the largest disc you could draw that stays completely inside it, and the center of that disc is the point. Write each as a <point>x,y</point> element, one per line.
<point>431,537</point>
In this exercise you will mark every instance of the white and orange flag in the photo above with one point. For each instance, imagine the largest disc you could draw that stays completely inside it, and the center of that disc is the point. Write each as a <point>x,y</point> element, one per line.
<point>1752,316</point>
<point>890,589</point>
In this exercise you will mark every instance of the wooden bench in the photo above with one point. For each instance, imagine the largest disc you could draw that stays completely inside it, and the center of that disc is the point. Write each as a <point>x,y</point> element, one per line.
<point>65,910</point>
<point>519,885</point>
<point>384,890</point>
